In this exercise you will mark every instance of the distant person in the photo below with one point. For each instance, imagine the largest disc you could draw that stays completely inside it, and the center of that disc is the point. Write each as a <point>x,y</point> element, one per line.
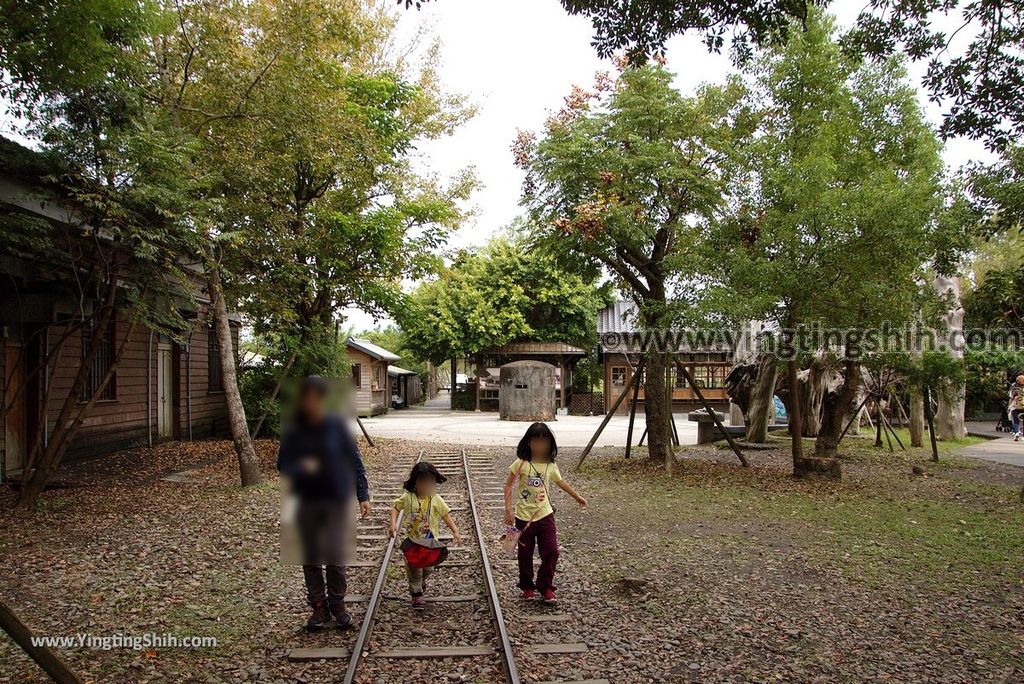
<point>424,510</point>
<point>321,460</point>
<point>531,513</point>
<point>1016,405</point>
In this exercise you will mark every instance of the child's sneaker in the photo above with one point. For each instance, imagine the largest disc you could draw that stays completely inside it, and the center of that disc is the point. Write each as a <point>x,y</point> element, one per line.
<point>528,594</point>
<point>549,596</point>
<point>418,603</point>
<point>319,617</point>
<point>338,611</point>
<point>1016,437</point>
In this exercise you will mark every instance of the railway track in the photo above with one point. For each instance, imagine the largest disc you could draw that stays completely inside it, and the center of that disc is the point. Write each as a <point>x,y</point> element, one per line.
<point>464,621</point>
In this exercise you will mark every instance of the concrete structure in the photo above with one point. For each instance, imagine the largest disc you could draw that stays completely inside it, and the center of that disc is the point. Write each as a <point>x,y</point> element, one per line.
<point>707,431</point>
<point>484,385</point>
<point>370,382</point>
<point>527,391</point>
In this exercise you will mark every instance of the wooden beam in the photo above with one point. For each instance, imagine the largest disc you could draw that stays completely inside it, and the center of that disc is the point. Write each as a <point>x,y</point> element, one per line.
<point>44,656</point>
<point>632,408</point>
<point>714,415</point>
<point>601,427</point>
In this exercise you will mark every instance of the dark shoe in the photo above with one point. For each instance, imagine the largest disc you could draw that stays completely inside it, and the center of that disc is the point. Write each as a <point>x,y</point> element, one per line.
<point>319,617</point>
<point>338,612</point>
<point>418,603</point>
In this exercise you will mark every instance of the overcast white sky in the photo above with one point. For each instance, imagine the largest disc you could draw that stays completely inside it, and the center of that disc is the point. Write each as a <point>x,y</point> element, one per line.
<point>516,61</point>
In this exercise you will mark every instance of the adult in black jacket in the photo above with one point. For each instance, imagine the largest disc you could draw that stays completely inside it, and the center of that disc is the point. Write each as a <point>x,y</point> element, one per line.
<point>321,461</point>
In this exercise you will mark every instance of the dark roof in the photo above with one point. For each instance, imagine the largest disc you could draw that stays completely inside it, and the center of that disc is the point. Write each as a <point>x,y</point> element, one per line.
<point>370,348</point>
<point>534,348</point>
<point>619,317</point>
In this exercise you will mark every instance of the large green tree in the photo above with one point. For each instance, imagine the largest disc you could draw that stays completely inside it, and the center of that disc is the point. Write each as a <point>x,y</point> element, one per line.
<point>625,179</point>
<point>505,292</point>
<point>835,220</point>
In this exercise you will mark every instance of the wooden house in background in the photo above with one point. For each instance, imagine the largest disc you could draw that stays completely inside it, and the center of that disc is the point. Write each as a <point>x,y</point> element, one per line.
<point>708,366</point>
<point>162,389</point>
<point>370,383</point>
<point>406,386</point>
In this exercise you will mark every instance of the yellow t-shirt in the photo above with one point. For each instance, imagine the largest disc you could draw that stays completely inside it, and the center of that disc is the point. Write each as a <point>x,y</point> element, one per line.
<point>532,490</point>
<point>418,510</point>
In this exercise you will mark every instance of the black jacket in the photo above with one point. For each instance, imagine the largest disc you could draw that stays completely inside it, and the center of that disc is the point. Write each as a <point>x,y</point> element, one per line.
<point>341,469</point>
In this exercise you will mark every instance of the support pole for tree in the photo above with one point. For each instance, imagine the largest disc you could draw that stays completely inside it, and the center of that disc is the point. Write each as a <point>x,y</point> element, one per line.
<point>365,433</point>
<point>714,415</point>
<point>931,422</point>
<point>897,437</point>
<point>632,409</point>
<point>604,423</point>
<point>45,657</point>
<point>856,416</point>
<point>643,436</point>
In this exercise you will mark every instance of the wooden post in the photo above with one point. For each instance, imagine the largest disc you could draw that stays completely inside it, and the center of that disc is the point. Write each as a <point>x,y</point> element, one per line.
<point>365,433</point>
<point>632,409</point>
<point>856,416</point>
<point>931,422</point>
<point>601,427</point>
<point>714,414</point>
<point>45,657</point>
<point>643,436</point>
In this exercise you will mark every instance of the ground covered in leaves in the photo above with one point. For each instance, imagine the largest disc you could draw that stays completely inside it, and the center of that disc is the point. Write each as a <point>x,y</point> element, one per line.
<point>714,573</point>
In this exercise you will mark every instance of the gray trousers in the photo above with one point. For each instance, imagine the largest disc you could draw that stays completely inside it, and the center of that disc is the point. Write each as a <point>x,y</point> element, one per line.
<point>317,590</point>
<point>417,576</point>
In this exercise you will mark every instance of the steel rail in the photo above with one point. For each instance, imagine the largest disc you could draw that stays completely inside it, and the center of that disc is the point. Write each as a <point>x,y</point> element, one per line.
<point>374,603</point>
<point>508,659</point>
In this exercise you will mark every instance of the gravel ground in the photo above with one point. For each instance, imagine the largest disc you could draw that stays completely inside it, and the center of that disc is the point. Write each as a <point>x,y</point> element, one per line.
<point>718,574</point>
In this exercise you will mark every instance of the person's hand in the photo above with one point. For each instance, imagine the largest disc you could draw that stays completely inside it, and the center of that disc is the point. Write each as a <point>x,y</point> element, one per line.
<point>364,509</point>
<point>582,502</point>
<point>392,529</point>
<point>309,465</point>
<point>457,538</point>
<point>510,519</point>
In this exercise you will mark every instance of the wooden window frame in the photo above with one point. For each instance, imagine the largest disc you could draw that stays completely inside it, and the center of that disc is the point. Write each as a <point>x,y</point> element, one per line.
<point>614,370</point>
<point>212,358</point>
<point>101,363</point>
<point>357,375</point>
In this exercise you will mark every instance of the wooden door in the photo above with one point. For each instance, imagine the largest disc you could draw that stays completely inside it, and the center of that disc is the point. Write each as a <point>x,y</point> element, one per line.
<point>16,396</point>
<point>164,391</point>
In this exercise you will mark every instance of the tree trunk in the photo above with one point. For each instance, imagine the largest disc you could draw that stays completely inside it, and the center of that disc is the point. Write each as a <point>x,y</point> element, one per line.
<point>812,394</point>
<point>837,407</point>
<point>795,422</point>
<point>657,410</point>
<point>916,418</point>
<point>248,465</point>
<point>951,396</point>
<point>762,406</point>
<point>43,461</point>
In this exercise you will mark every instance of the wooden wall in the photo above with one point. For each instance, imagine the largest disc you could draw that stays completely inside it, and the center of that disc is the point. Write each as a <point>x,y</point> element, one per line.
<point>369,401</point>
<point>127,419</point>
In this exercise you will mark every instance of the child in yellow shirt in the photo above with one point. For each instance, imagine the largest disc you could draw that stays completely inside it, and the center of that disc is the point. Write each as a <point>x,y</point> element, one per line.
<point>424,510</point>
<point>529,479</point>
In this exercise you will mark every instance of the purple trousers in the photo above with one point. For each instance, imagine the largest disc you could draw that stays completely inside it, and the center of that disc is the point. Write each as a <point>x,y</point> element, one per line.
<point>543,535</point>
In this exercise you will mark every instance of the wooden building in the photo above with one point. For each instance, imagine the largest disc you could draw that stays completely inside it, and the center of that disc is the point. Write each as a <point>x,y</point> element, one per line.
<point>708,366</point>
<point>162,388</point>
<point>406,386</point>
<point>370,382</point>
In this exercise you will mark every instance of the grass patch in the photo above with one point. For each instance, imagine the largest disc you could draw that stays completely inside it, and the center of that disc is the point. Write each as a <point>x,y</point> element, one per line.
<point>872,533</point>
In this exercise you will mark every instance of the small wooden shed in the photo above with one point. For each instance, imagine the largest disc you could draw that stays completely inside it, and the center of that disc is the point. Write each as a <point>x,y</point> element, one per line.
<point>370,380</point>
<point>405,384</point>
